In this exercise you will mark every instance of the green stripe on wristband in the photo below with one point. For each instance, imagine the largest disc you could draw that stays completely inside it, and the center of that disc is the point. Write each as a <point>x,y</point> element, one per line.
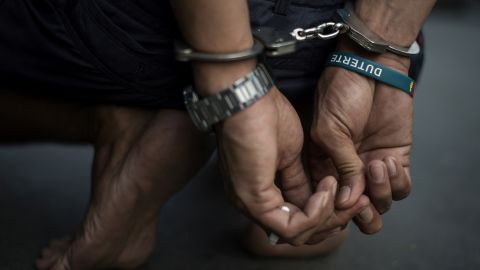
<point>373,70</point>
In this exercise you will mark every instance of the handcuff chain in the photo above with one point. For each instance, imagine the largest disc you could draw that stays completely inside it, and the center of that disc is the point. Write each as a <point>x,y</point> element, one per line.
<point>324,31</point>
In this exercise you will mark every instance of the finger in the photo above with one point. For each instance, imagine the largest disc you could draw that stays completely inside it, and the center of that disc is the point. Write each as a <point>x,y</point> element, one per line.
<point>326,189</point>
<point>322,236</point>
<point>378,186</point>
<point>348,164</point>
<point>342,217</point>
<point>265,205</point>
<point>340,220</point>
<point>369,220</point>
<point>400,180</point>
<point>319,163</point>
<point>295,184</point>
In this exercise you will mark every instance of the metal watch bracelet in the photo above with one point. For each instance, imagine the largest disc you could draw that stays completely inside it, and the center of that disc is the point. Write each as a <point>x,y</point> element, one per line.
<point>207,111</point>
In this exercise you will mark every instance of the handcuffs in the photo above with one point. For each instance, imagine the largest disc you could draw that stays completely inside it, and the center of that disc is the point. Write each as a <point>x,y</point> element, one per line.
<point>268,42</point>
<point>273,43</point>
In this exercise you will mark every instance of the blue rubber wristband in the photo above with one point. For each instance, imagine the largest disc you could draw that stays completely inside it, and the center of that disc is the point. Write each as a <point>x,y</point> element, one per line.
<point>373,70</point>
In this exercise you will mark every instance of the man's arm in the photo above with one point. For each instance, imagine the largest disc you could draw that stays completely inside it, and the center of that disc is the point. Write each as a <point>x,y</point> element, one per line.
<point>216,26</point>
<point>396,21</point>
<point>262,140</point>
<point>368,122</point>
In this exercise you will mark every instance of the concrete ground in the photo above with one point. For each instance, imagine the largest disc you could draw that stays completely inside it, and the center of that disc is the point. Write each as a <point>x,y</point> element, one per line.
<point>44,188</point>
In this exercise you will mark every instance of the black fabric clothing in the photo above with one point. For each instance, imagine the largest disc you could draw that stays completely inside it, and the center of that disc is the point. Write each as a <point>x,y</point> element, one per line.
<point>118,52</point>
<point>121,51</point>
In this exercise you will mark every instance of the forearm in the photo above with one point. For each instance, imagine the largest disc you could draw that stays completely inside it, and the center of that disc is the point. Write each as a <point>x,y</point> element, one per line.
<point>397,21</point>
<point>215,26</point>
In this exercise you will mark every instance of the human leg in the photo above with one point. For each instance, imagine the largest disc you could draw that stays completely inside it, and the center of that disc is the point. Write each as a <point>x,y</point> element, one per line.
<point>142,157</point>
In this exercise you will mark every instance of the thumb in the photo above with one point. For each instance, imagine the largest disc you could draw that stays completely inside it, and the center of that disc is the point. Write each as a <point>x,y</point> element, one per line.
<point>295,185</point>
<point>340,148</point>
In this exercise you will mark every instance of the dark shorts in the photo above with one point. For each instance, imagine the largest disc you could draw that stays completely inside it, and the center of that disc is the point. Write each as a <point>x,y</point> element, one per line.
<point>121,52</point>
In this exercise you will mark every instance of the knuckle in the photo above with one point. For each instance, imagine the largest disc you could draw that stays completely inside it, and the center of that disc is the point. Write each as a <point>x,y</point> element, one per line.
<point>349,168</point>
<point>363,201</point>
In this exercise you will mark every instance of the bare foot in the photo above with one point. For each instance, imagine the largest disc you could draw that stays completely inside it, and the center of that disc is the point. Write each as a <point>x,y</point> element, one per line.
<point>61,254</point>
<point>141,159</point>
<point>52,253</point>
<point>256,241</point>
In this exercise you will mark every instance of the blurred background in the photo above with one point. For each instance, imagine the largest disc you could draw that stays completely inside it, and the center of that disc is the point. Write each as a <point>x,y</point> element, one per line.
<point>44,189</point>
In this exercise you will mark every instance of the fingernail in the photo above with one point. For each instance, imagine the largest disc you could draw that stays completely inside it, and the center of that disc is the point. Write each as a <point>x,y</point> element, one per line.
<point>344,194</point>
<point>377,173</point>
<point>366,215</point>
<point>324,199</point>
<point>334,190</point>
<point>392,168</point>
<point>273,238</point>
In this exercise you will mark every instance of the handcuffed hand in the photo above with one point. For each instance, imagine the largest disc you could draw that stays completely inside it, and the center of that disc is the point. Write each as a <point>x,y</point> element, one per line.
<point>362,130</point>
<point>256,144</point>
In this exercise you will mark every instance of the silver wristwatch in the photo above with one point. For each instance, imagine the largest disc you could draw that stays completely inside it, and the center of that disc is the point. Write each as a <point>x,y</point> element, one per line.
<point>205,112</point>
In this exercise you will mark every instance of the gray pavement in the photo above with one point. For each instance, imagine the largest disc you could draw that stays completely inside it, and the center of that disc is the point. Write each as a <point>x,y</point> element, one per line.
<point>44,188</point>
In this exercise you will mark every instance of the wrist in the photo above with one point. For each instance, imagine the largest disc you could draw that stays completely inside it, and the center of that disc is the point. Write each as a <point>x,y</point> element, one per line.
<point>391,60</point>
<point>396,21</point>
<point>244,92</point>
<point>242,121</point>
<point>211,78</point>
